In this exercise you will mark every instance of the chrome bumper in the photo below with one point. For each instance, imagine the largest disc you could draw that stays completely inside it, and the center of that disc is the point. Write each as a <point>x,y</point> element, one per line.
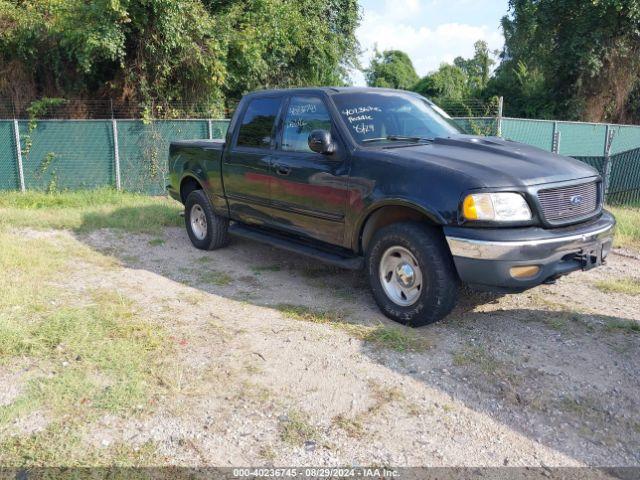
<point>528,249</point>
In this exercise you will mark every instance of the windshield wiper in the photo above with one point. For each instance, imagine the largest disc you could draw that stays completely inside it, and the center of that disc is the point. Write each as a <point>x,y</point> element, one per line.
<point>397,138</point>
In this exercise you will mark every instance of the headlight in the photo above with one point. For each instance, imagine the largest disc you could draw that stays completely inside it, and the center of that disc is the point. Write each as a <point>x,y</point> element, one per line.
<point>497,207</point>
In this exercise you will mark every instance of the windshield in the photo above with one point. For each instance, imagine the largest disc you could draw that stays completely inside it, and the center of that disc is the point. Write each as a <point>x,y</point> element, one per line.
<point>385,117</point>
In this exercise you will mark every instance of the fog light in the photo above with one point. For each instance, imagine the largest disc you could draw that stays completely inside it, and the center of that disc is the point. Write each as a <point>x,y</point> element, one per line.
<point>524,272</point>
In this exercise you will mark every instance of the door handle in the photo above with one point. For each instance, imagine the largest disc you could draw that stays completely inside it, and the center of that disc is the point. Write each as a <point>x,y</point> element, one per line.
<point>283,170</point>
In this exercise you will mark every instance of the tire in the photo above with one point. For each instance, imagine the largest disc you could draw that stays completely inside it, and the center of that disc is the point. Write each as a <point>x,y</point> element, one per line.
<point>211,232</point>
<point>409,295</point>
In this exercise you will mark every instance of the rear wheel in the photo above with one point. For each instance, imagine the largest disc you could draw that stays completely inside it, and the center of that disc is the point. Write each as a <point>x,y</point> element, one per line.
<point>411,273</point>
<point>206,230</point>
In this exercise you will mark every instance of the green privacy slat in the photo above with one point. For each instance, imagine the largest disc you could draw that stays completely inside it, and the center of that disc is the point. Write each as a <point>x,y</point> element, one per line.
<point>75,154</point>
<point>67,154</point>
<point>9,179</point>
<point>624,183</point>
<point>532,132</point>
<point>219,128</point>
<point>582,139</point>
<point>625,138</point>
<point>144,148</point>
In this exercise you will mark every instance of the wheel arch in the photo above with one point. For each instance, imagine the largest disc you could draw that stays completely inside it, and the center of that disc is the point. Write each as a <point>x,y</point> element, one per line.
<point>188,184</point>
<point>387,213</point>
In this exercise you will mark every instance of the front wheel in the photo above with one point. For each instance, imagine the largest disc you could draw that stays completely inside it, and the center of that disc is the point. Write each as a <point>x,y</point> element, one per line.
<point>411,273</point>
<point>206,230</point>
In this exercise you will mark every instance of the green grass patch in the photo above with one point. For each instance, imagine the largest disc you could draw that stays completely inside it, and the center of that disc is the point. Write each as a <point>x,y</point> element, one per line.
<point>351,426</point>
<point>88,210</point>
<point>623,325</point>
<point>214,278</point>
<point>629,286</point>
<point>257,270</point>
<point>63,445</point>
<point>628,231</point>
<point>295,429</point>
<point>95,353</point>
<point>477,356</point>
<point>395,338</point>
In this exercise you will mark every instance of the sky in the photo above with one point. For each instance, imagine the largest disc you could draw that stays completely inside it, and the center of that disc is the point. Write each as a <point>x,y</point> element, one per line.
<point>430,31</point>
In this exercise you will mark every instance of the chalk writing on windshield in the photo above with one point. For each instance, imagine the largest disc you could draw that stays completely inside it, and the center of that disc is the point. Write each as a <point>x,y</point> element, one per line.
<point>361,118</point>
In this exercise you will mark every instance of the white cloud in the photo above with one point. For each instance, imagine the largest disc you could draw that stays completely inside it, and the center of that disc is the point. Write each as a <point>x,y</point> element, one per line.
<point>401,25</point>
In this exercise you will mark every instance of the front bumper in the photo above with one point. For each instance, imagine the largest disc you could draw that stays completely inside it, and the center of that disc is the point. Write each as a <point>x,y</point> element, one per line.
<point>486,257</point>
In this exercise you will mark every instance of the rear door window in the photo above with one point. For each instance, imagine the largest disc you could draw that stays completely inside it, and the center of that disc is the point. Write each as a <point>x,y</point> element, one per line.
<point>257,129</point>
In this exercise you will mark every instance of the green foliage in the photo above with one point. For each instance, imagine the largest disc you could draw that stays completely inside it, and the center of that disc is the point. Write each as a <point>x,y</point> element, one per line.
<point>452,86</point>
<point>571,59</point>
<point>156,52</point>
<point>391,69</point>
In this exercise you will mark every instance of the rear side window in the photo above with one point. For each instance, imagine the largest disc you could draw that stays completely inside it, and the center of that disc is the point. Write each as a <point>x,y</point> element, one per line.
<point>304,115</point>
<point>257,127</point>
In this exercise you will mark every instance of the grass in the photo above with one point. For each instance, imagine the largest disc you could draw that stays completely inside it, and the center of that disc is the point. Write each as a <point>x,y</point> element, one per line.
<point>477,356</point>
<point>351,426</point>
<point>295,429</point>
<point>629,286</point>
<point>88,210</point>
<point>622,325</point>
<point>394,338</point>
<point>94,353</point>
<point>214,278</point>
<point>628,231</point>
<point>257,270</point>
<point>382,396</point>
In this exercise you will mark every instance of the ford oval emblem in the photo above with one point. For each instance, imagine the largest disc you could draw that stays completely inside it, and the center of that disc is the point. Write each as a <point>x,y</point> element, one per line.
<point>576,200</point>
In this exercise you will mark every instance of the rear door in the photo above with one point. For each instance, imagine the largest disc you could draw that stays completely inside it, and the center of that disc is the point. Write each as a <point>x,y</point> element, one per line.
<point>246,165</point>
<point>308,189</point>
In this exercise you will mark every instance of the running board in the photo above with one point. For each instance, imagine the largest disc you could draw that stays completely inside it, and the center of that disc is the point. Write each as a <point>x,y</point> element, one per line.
<point>291,245</point>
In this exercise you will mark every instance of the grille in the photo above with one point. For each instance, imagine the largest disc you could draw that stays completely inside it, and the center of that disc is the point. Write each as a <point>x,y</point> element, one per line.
<point>570,202</point>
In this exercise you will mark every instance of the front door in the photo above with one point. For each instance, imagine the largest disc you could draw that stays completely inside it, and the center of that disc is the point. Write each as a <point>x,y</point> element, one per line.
<point>308,189</point>
<point>246,166</point>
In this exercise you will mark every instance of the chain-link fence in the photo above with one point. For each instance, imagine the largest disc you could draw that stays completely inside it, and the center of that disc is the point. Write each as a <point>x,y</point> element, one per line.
<point>55,151</point>
<point>131,155</point>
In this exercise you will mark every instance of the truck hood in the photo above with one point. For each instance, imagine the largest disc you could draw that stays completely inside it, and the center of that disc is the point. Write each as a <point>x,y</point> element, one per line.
<point>494,162</point>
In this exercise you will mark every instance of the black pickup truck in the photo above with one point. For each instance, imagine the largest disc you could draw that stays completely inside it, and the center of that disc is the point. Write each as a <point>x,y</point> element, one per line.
<point>384,180</point>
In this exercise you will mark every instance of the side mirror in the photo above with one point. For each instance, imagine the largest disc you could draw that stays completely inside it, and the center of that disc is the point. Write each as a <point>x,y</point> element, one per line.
<point>320,142</point>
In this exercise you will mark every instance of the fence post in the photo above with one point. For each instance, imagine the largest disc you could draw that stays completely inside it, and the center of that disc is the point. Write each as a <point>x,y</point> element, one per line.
<point>555,141</point>
<point>608,142</point>
<point>16,133</point>
<point>500,108</point>
<point>116,152</point>
<point>210,129</point>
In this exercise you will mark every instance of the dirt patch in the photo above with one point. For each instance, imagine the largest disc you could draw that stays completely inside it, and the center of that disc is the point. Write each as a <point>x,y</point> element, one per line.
<point>540,378</point>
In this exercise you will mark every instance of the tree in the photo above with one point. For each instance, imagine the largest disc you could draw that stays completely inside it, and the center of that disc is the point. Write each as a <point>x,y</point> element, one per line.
<point>391,69</point>
<point>148,52</point>
<point>477,68</point>
<point>584,56</point>
<point>448,82</point>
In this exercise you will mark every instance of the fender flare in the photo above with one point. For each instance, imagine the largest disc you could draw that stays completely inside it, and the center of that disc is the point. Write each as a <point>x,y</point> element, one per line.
<point>362,222</point>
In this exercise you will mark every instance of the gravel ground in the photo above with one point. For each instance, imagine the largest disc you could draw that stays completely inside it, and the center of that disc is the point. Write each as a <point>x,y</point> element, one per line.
<point>545,378</point>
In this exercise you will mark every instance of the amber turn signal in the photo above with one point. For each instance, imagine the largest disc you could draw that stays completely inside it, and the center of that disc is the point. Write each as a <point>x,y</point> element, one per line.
<point>527,271</point>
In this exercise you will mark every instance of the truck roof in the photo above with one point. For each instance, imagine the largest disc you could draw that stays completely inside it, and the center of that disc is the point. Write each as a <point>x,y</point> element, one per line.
<point>327,90</point>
